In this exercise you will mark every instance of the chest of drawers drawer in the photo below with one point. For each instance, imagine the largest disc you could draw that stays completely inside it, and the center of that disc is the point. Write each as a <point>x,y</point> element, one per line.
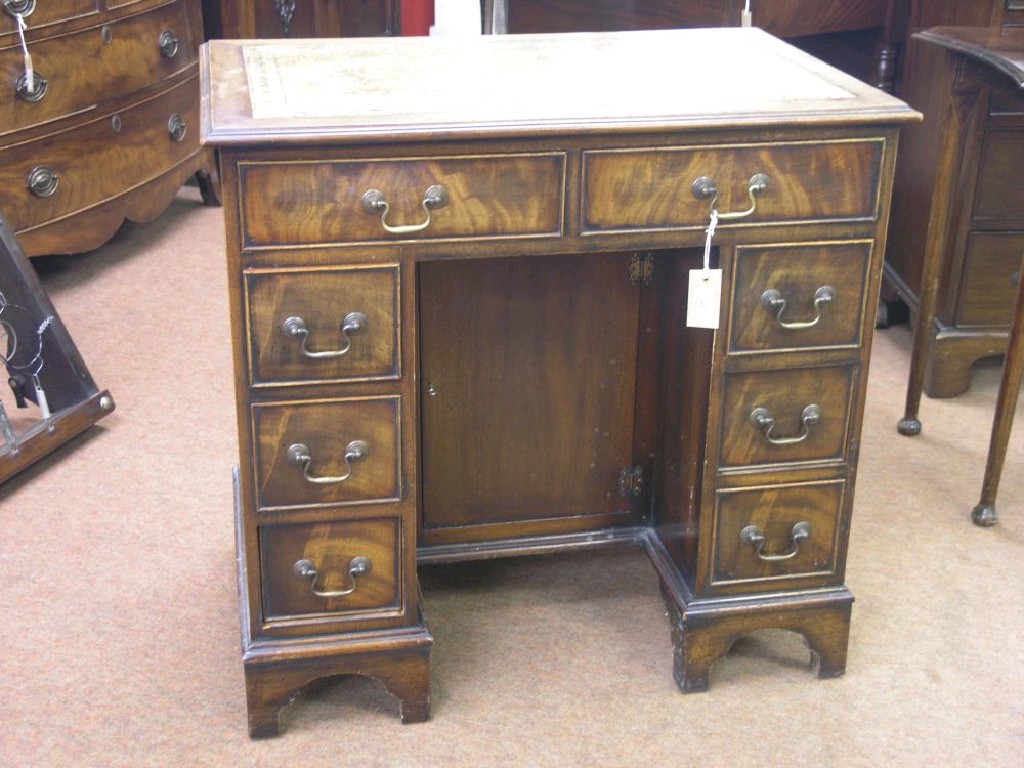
<point>798,296</point>
<point>999,194</point>
<point>125,55</point>
<point>777,536</point>
<point>323,325</point>
<point>676,187</point>
<point>71,170</point>
<point>303,203</point>
<point>786,416</point>
<point>43,13</point>
<point>331,452</point>
<point>992,270</point>
<point>342,570</point>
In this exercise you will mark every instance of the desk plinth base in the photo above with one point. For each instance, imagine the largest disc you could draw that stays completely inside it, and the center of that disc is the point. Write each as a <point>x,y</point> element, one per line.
<point>276,673</point>
<point>703,631</point>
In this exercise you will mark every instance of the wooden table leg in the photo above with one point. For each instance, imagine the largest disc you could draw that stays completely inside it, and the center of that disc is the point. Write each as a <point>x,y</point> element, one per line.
<point>1006,404</point>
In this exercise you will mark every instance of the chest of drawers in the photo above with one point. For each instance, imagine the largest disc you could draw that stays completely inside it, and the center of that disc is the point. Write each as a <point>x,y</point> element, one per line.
<point>460,331</point>
<point>107,126</point>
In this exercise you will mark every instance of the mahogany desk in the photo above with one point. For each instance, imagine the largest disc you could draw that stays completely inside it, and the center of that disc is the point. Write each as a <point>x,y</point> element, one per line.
<point>459,326</point>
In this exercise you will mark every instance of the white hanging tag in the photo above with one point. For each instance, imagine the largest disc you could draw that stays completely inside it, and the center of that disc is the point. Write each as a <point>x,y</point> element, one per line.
<point>704,294</point>
<point>30,75</point>
<point>746,17</point>
<point>41,401</point>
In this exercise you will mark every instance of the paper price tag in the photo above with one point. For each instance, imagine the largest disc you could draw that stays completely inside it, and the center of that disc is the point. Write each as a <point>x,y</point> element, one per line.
<point>704,298</point>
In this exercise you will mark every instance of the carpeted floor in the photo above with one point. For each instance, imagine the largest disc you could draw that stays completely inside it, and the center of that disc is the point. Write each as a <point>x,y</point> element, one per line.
<point>120,639</point>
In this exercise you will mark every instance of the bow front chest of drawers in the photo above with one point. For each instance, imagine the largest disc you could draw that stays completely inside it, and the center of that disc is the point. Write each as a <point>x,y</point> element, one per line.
<point>460,330</point>
<point>100,119</point>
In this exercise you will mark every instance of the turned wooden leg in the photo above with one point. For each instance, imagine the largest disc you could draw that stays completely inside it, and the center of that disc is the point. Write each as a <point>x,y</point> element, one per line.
<point>1006,404</point>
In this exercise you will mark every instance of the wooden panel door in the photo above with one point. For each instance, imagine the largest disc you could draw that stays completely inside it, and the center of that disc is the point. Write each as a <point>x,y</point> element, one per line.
<point>528,376</point>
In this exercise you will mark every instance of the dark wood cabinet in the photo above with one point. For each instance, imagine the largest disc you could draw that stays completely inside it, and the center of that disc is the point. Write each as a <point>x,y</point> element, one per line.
<point>460,331</point>
<point>308,18</point>
<point>957,199</point>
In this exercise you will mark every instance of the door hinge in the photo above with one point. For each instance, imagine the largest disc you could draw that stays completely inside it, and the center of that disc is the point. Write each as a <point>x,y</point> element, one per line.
<point>641,267</point>
<point>631,482</point>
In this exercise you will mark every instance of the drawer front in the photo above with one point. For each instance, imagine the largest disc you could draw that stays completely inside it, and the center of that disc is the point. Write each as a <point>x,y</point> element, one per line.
<point>785,417</point>
<point>333,324</point>
<point>799,297</point>
<point>348,568</point>
<point>41,13</point>
<point>302,203</point>
<point>653,189</point>
<point>327,452</point>
<point>777,534</point>
<point>1002,166</point>
<point>94,162</point>
<point>991,273</point>
<point>131,60</point>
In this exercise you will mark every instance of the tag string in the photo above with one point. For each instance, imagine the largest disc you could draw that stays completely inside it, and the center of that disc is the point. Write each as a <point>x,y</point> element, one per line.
<point>30,75</point>
<point>707,243</point>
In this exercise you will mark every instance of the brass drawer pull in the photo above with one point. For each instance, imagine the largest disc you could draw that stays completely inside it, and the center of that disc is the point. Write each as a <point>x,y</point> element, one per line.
<point>36,92</point>
<point>306,570</point>
<point>772,301</point>
<point>23,8</point>
<point>705,188</point>
<point>176,128</point>
<point>753,535</point>
<point>298,453</point>
<point>354,322</point>
<point>374,202</point>
<point>43,181</point>
<point>168,44</point>
<point>763,420</point>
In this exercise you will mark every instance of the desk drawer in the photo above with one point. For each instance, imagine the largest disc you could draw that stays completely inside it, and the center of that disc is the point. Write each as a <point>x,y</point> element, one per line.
<point>330,324</point>
<point>634,189</point>
<point>327,452</point>
<point>301,203</point>
<point>999,193</point>
<point>307,569</point>
<point>799,297</point>
<point>769,535</point>
<point>124,56</point>
<point>785,417</point>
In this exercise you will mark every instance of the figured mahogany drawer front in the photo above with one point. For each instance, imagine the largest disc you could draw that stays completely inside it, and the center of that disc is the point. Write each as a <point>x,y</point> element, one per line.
<point>330,324</point>
<point>1002,166</point>
<point>302,203</point>
<point>327,452</point>
<point>775,533</point>
<point>41,13</point>
<point>991,273</point>
<point>798,296</point>
<point>655,189</point>
<point>73,170</point>
<point>787,416</point>
<point>349,567</point>
<point>123,56</point>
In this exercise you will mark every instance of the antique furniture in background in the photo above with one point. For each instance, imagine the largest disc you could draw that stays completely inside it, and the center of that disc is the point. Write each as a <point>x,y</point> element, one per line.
<point>977,109</point>
<point>106,126</point>
<point>44,369</point>
<point>459,309</point>
<point>861,37</point>
<point>968,189</point>
<point>308,18</point>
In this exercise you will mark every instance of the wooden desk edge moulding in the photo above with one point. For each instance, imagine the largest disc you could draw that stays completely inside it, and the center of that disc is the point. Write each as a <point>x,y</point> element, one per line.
<point>422,230</point>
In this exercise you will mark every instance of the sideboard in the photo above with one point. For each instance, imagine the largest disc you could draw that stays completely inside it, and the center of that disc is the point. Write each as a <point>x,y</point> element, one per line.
<point>500,296</point>
<point>101,119</point>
